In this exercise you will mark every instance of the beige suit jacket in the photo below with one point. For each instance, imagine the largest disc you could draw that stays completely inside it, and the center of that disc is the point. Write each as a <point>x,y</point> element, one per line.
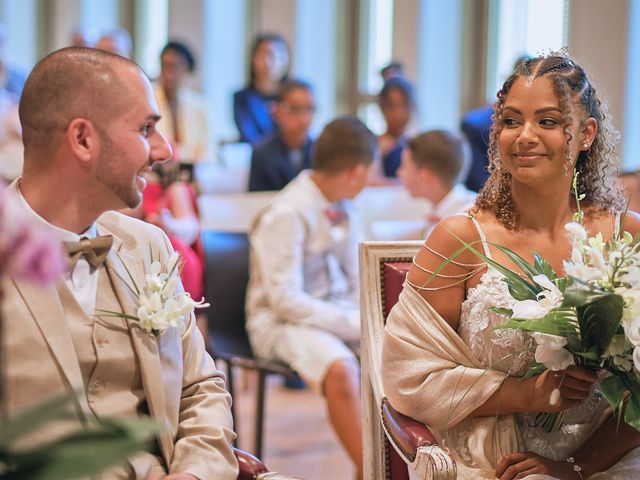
<point>183,389</point>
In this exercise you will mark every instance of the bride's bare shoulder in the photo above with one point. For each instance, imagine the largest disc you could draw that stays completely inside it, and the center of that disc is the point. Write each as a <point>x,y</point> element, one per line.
<point>453,231</point>
<point>631,222</point>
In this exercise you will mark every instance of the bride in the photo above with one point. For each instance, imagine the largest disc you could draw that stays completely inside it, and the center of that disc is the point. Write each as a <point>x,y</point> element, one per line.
<point>444,363</point>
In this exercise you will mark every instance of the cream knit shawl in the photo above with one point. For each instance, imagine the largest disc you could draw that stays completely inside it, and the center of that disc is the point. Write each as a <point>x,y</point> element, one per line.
<point>431,375</point>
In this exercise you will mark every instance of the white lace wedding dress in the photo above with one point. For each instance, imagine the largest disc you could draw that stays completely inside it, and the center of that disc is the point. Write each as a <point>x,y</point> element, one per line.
<point>511,351</point>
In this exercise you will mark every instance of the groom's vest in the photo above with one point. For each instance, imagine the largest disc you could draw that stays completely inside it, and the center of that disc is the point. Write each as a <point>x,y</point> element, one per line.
<point>109,366</point>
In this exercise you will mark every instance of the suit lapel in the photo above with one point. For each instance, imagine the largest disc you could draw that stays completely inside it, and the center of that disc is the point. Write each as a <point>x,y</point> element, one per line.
<point>48,313</point>
<point>124,272</point>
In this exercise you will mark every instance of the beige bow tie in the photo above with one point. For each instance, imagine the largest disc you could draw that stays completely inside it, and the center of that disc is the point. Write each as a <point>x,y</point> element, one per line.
<point>95,250</point>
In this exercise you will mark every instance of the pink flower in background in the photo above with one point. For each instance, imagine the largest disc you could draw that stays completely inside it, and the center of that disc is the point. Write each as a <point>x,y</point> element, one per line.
<point>26,251</point>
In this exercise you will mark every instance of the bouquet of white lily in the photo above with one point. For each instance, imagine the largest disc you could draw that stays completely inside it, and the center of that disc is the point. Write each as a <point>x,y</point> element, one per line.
<point>590,317</point>
<point>160,303</point>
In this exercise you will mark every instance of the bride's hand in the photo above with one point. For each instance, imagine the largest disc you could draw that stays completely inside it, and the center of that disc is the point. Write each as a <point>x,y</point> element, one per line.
<point>521,464</point>
<point>574,385</point>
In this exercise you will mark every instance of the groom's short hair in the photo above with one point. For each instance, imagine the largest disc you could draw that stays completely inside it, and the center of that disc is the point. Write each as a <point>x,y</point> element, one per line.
<point>74,82</point>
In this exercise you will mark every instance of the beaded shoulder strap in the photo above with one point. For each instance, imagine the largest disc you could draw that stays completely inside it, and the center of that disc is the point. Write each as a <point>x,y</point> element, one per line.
<point>483,237</point>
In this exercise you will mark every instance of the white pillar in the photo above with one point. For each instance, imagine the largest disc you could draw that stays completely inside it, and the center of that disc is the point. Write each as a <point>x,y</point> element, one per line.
<point>438,85</point>
<point>151,29</point>
<point>223,63</point>
<point>316,52</point>
<point>631,150</point>
<point>100,15</point>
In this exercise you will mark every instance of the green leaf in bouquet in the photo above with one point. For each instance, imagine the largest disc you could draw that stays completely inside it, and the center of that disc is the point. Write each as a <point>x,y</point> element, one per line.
<point>599,321</point>
<point>556,322</point>
<point>35,417</point>
<point>613,389</point>
<point>522,264</point>
<point>574,343</point>
<point>544,267</point>
<point>577,293</point>
<point>518,291</point>
<point>87,452</point>
<point>534,369</point>
<point>590,355</point>
<point>632,412</point>
<point>502,311</point>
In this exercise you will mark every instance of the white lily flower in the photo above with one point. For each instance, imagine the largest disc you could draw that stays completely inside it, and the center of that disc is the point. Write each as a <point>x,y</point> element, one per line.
<point>551,352</point>
<point>161,304</point>
<point>632,331</point>
<point>548,299</point>
<point>529,309</point>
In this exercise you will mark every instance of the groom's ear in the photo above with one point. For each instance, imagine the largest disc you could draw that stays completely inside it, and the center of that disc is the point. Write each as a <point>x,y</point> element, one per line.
<point>82,139</point>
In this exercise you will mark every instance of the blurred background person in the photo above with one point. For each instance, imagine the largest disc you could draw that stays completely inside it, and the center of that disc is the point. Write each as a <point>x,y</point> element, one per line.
<point>184,119</point>
<point>11,150</point>
<point>631,183</point>
<point>12,78</point>
<point>392,69</point>
<point>269,65</point>
<point>397,103</point>
<point>83,37</point>
<point>433,163</point>
<point>281,156</point>
<point>116,41</point>
<point>476,126</point>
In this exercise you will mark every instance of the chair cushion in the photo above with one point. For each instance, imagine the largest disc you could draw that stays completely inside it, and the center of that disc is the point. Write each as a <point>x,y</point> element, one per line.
<point>393,276</point>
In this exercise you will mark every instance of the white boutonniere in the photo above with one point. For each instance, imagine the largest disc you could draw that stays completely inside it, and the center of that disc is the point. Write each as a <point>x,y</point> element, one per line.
<point>160,303</point>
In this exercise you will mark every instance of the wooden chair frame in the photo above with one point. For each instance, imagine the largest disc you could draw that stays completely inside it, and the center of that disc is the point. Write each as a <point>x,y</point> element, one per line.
<point>383,427</point>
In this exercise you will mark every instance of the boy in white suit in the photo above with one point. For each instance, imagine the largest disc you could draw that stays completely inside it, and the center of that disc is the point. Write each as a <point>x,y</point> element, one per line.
<point>302,299</point>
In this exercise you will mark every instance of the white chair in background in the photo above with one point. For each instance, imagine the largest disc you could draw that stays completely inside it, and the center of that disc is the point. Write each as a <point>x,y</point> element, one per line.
<point>231,212</point>
<point>230,174</point>
<point>390,213</point>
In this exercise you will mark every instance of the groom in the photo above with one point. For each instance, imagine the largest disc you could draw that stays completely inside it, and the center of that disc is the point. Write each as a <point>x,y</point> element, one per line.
<point>89,132</point>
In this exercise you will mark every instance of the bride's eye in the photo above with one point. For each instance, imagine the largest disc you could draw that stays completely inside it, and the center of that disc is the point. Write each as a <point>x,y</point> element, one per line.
<point>549,122</point>
<point>509,122</point>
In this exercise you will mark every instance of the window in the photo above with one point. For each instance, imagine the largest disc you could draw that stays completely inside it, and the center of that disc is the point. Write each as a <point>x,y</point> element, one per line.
<point>522,27</point>
<point>377,30</point>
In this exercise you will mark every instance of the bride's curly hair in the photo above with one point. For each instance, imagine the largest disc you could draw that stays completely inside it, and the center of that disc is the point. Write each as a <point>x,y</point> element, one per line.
<point>597,167</point>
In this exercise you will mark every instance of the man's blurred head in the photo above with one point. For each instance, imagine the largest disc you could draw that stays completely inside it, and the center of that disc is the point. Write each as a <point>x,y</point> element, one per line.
<point>433,161</point>
<point>116,41</point>
<point>293,112</point>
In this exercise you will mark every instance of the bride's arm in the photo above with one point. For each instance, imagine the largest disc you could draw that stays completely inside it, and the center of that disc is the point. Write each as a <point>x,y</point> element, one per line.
<point>619,438</point>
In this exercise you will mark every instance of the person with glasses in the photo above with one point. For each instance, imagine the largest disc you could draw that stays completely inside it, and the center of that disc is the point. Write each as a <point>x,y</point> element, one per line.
<point>285,153</point>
